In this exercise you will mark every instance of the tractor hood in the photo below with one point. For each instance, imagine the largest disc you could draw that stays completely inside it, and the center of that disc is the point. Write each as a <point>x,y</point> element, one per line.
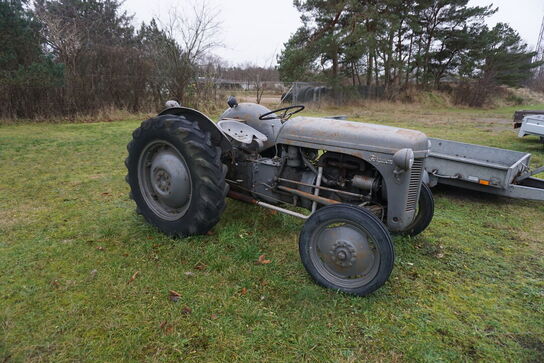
<point>355,137</point>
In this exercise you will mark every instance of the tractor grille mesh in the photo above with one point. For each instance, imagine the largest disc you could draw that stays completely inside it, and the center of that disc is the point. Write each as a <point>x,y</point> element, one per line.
<point>415,182</point>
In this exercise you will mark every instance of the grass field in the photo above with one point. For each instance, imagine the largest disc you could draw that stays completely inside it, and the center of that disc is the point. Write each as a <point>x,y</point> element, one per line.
<point>83,278</point>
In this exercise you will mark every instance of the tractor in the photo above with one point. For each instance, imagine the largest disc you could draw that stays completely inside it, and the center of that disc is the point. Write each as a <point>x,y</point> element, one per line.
<point>353,183</point>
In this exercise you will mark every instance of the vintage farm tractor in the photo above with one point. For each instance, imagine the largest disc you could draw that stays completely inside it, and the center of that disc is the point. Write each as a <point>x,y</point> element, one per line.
<point>358,181</point>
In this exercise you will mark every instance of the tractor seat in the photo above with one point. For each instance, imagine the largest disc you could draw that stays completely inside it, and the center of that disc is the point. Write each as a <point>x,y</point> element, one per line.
<point>242,132</point>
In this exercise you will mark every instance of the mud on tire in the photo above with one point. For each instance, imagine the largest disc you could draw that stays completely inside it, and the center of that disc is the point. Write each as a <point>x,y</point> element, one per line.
<point>176,176</point>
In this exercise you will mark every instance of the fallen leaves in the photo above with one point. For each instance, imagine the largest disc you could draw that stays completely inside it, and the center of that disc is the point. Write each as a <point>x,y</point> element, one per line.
<point>174,293</point>
<point>174,296</point>
<point>200,266</point>
<point>262,260</point>
<point>243,291</point>
<point>133,277</point>
<point>166,328</point>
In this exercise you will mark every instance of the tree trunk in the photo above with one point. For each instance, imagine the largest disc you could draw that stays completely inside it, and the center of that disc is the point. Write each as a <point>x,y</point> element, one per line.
<point>369,70</point>
<point>408,59</point>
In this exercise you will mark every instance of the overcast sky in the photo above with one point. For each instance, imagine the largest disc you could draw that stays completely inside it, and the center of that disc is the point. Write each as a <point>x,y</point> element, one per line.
<point>253,31</point>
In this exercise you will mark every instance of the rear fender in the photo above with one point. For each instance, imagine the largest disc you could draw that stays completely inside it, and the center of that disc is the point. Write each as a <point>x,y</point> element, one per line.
<point>205,124</point>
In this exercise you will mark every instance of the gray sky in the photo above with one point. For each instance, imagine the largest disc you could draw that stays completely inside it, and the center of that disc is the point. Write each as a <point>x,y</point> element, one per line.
<point>253,31</point>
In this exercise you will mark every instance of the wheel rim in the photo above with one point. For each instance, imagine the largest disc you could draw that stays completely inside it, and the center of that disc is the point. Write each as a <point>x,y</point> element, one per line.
<point>344,253</point>
<point>165,180</point>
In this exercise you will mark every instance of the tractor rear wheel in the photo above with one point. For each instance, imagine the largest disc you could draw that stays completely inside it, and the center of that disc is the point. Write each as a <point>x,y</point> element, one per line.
<point>346,248</point>
<point>176,176</point>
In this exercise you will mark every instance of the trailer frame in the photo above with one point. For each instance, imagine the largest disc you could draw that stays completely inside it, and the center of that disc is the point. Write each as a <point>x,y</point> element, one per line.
<point>484,169</point>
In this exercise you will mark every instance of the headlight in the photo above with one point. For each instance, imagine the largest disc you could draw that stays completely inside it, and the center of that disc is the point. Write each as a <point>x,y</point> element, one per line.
<point>404,159</point>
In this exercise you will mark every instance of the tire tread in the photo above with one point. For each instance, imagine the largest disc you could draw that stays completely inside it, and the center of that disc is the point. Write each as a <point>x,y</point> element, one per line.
<point>207,169</point>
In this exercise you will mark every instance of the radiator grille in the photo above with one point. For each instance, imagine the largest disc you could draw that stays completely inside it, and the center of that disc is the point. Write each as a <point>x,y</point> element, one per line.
<point>415,182</point>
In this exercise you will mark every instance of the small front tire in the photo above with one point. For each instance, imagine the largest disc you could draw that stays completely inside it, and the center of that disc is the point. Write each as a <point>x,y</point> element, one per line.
<point>346,248</point>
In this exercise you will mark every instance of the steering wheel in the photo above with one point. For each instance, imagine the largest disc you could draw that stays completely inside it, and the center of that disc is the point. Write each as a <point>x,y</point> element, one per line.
<point>286,115</point>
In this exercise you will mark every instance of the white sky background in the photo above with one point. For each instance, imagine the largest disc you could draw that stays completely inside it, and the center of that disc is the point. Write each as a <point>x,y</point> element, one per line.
<point>253,31</point>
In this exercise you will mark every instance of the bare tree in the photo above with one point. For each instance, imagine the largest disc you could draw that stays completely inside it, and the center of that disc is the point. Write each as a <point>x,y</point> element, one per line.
<point>65,38</point>
<point>257,76</point>
<point>196,36</point>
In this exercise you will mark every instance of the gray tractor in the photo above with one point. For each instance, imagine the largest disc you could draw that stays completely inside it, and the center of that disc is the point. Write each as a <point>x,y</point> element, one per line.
<point>358,182</point>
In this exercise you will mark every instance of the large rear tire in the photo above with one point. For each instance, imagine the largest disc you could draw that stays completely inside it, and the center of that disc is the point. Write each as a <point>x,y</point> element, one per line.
<point>176,176</point>
<point>346,248</point>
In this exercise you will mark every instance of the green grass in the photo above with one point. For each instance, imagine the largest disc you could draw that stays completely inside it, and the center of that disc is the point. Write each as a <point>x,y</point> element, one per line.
<point>469,288</point>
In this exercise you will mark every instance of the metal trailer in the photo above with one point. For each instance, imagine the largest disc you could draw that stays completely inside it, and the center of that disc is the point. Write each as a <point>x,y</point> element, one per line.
<point>532,125</point>
<point>484,169</point>
<point>519,115</point>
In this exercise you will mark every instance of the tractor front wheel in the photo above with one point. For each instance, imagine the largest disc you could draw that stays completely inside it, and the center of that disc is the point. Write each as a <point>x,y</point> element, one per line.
<point>346,248</point>
<point>176,176</point>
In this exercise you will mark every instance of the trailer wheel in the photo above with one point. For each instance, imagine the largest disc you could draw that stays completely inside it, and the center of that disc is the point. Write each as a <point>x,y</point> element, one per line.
<point>346,248</point>
<point>176,176</point>
<point>425,212</point>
